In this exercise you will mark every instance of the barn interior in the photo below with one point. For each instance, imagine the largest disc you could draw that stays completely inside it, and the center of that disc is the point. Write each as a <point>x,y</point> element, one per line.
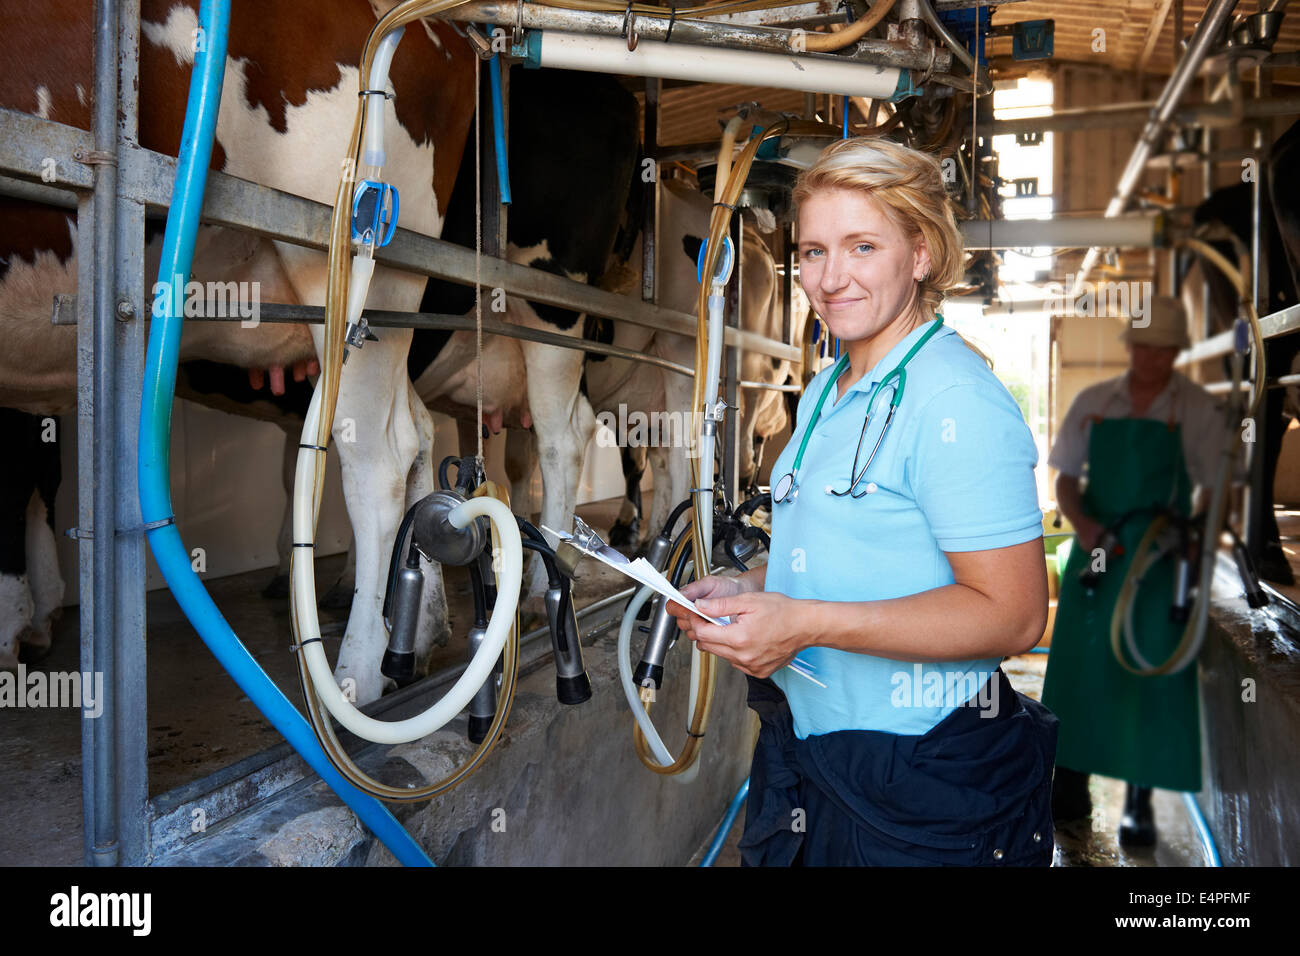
<point>1086,145</point>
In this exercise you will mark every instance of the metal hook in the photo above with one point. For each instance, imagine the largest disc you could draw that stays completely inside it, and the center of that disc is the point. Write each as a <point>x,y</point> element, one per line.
<point>517,38</point>
<point>629,28</point>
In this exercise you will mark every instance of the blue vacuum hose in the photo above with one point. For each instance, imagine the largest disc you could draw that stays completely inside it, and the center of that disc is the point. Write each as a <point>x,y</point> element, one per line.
<point>154,473</point>
<point>499,130</point>
<point>728,821</point>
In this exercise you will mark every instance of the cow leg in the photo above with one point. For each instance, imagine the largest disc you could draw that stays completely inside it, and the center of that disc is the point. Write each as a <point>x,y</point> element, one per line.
<point>564,424</point>
<point>521,462</point>
<point>44,579</point>
<point>377,443</point>
<point>43,574</point>
<point>17,482</point>
<point>278,587</point>
<point>1270,560</point>
<point>677,397</point>
<point>339,596</point>
<point>659,459</point>
<point>434,628</point>
<point>626,531</point>
<point>749,483</point>
<point>746,462</point>
<point>16,608</point>
<point>467,438</point>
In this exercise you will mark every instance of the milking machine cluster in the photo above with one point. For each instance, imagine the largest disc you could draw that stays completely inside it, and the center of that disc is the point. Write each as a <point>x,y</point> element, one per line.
<point>1170,534</point>
<point>426,532</point>
<point>735,536</point>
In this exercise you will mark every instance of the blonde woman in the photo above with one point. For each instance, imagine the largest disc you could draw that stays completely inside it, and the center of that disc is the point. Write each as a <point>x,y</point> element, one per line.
<point>906,561</point>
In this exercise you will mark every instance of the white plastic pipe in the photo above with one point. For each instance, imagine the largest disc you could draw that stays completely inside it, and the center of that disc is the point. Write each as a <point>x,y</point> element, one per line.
<point>633,695</point>
<point>507,565</point>
<point>711,64</point>
<point>375,105</point>
<point>712,373</point>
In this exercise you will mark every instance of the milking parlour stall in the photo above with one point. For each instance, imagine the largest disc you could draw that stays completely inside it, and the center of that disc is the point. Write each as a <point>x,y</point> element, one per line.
<point>447,386</point>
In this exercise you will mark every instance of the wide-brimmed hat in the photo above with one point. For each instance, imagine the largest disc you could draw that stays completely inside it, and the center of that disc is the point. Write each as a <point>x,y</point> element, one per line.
<point>1164,324</point>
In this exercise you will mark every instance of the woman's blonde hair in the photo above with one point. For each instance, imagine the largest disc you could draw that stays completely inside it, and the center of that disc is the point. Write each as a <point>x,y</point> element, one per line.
<point>908,185</point>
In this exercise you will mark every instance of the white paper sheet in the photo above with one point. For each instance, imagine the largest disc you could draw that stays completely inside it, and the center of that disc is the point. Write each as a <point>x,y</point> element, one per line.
<point>643,572</point>
<point>640,571</point>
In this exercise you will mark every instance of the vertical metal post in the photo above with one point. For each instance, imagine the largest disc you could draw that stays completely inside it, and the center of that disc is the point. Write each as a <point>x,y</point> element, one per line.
<point>1258,506</point>
<point>787,280</point>
<point>1207,187</point>
<point>131,306</point>
<point>494,242</point>
<point>503,210</point>
<point>731,365</point>
<point>650,216</point>
<point>92,779</point>
<point>101,832</point>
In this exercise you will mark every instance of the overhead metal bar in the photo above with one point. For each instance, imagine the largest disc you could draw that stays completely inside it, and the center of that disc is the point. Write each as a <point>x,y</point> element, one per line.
<point>65,307</point>
<point>1283,322</point>
<point>1135,114</point>
<point>900,54</point>
<point>1137,231</point>
<point>1221,388</point>
<point>146,177</point>
<point>802,14</point>
<point>1216,15</point>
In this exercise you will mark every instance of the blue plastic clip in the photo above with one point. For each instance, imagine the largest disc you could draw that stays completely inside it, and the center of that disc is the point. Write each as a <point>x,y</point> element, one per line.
<point>1241,336</point>
<point>374,212</point>
<point>722,270</point>
<point>904,88</point>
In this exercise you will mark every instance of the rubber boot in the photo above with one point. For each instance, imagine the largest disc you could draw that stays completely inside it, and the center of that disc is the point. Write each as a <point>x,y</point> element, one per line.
<point>1070,799</point>
<point>1138,826</point>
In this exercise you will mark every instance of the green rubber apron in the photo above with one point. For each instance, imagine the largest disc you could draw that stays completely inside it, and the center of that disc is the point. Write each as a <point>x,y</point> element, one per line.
<point>1145,730</point>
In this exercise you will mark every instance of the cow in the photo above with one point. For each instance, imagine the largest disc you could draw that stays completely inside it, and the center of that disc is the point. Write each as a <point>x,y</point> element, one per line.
<point>31,589</point>
<point>1229,208</point>
<point>570,185</point>
<point>684,219</point>
<point>290,96</point>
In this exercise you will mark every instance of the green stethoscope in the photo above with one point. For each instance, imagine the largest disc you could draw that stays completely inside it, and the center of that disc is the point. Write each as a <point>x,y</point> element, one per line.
<point>787,487</point>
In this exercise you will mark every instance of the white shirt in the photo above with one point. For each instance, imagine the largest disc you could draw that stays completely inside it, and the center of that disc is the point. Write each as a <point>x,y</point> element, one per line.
<point>1183,402</point>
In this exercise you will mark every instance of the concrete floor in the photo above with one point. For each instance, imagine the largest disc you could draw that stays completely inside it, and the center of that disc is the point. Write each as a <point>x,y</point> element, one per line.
<point>199,722</point>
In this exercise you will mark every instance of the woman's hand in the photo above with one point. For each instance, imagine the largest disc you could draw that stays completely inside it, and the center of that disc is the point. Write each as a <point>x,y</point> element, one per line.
<point>760,639</point>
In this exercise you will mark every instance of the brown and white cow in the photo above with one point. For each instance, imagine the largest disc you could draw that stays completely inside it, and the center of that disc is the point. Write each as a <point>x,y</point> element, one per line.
<point>286,114</point>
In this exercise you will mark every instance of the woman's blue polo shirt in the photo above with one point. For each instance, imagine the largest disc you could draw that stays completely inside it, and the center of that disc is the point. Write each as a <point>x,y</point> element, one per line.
<point>955,473</point>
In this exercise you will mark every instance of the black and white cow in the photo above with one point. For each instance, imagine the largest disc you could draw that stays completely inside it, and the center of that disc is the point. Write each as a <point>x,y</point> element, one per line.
<point>31,589</point>
<point>1231,207</point>
<point>684,218</point>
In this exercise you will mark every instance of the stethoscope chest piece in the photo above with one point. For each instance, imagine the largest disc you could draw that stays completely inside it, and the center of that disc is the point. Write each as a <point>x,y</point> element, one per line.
<point>785,489</point>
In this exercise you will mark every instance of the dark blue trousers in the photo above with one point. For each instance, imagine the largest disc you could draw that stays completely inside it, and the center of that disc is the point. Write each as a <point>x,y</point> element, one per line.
<point>975,790</point>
